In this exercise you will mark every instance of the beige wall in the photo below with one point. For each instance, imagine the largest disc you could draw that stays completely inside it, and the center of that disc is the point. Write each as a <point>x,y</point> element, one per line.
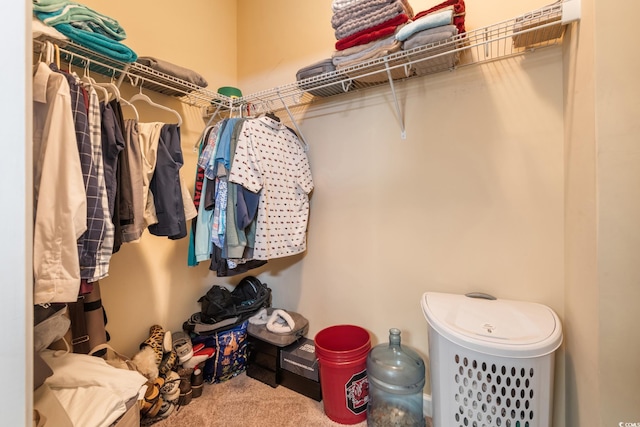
<point>617,103</point>
<point>603,371</point>
<point>581,252</point>
<point>472,200</point>
<point>514,180</point>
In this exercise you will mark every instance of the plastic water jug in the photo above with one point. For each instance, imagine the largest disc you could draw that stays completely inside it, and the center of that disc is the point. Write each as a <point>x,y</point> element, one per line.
<point>396,379</point>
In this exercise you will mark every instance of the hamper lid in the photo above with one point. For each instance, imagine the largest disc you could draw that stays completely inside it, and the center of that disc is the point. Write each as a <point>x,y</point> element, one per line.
<point>493,326</point>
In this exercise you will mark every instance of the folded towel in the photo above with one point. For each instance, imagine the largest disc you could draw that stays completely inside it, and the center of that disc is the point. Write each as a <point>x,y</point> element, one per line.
<point>365,8</point>
<point>458,8</point>
<point>436,19</point>
<point>354,26</point>
<point>373,54</point>
<point>459,11</point>
<point>338,5</point>
<point>363,51</point>
<point>98,43</point>
<point>358,10</point>
<point>49,5</point>
<point>81,17</point>
<point>429,36</point>
<point>38,29</point>
<point>384,41</point>
<point>173,70</point>
<point>370,34</point>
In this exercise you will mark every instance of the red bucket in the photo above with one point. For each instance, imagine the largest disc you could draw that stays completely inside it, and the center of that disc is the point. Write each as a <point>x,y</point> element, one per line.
<point>342,357</point>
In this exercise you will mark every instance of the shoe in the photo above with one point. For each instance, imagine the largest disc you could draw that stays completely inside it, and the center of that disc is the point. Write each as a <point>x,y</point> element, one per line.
<point>199,357</point>
<point>168,362</point>
<point>155,341</point>
<point>165,409</point>
<point>167,342</point>
<point>153,411</point>
<point>171,383</point>
<point>197,377</point>
<point>182,346</point>
<point>152,400</point>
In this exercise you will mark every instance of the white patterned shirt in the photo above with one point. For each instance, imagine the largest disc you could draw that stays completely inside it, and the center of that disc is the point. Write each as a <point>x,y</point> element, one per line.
<point>269,159</point>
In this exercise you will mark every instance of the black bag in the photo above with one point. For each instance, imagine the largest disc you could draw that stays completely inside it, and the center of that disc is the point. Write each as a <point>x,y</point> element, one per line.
<point>221,309</point>
<point>216,305</point>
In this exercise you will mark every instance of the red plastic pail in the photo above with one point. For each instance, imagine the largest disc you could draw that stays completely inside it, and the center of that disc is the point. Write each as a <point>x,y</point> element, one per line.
<point>342,357</point>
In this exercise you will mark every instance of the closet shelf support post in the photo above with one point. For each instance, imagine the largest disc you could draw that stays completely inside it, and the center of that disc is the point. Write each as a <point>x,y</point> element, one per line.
<point>295,124</point>
<point>123,73</point>
<point>399,116</point>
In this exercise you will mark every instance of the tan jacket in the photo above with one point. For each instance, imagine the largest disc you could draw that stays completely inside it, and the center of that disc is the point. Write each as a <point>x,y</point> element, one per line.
<point>59,197</point>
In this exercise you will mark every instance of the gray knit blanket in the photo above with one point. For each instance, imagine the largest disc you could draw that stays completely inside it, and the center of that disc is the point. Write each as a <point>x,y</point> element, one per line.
<point>367,14</point>
<point>357,10</point>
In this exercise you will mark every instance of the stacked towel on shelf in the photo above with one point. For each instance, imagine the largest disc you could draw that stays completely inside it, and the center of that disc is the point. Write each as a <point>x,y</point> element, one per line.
<point>430,36</point>
<point>366,14</point>
<point>372,34</point>
<point>357,54</point>
<point>427,22</point>
<point>436,28</point>
<point>86,27</point>
<point>365,31</point>
<point>459,12</point>
<point>174,70</point>
<point>362,21</point>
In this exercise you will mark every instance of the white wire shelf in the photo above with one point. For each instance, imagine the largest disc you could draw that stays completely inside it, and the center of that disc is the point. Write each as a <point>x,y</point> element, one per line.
<point>538,29</point>
<point>534,30</point>
<point>136,74</point>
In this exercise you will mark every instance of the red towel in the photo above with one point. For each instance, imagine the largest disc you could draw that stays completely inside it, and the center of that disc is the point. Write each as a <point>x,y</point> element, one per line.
<point>374,33</point>
<point>459,11</point>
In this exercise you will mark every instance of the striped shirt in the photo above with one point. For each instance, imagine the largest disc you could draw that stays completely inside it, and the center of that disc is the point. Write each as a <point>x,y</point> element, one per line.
<point>95,132</point>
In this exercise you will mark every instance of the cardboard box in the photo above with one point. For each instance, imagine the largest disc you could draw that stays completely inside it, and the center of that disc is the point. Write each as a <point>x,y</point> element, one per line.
<point>300,358</point>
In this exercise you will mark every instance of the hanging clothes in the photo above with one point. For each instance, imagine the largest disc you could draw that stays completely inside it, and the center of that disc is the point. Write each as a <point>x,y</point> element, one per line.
<point>254,203</point>
<point>192,260</point>
<point>105,250</point>
<point>202,239</point>
<point>112,145</point>
<point>131,186</point>
<point>165,186</point>
<point>270,160</point>
<point>90,241</point>
<point>148,137</point>
<point>60,216</point>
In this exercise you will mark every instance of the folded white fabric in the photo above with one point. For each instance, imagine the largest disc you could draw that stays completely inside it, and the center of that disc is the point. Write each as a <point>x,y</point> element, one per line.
<point>38,29</point>
<point>260,318</point>
<point>280,322</point>
<point>80,379</point>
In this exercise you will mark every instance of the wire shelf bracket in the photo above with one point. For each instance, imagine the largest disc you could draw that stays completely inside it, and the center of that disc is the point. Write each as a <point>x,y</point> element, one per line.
<point>539,28</point>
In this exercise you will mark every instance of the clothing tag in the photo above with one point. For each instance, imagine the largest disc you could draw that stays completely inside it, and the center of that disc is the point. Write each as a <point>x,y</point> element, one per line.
<point>40,80</point>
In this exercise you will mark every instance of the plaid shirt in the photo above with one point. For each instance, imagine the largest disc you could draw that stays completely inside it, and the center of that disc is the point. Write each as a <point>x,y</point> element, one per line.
<point>89,242</point>
<point>105,249</point>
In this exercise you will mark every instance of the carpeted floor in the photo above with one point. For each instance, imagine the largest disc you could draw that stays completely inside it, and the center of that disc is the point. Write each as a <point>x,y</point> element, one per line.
<point>246,402</point>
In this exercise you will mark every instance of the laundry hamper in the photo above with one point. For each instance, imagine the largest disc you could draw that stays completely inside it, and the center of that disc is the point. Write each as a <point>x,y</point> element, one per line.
<point>491,360</point>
